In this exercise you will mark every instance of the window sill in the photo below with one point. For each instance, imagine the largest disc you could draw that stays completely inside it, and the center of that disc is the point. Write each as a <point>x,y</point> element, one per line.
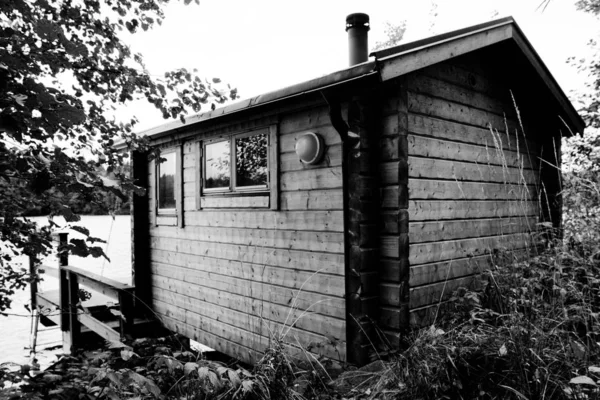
<point>166,219</point>
<point>235,201</point>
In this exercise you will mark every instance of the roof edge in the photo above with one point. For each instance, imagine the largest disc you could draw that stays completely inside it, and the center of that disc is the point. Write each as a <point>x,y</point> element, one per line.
<point>336,78</point>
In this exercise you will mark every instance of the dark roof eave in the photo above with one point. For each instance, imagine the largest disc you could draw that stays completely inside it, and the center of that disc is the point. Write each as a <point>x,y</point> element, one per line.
<point>507,28</point>
<point>334,79</point>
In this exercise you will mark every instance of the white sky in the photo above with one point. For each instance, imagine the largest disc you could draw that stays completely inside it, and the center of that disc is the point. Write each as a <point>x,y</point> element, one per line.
<point>263,45</point>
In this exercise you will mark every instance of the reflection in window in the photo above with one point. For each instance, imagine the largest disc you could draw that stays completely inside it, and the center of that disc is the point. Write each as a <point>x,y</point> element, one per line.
<point>251,161</point>
<point>216,165</point>
<point>166,181</point>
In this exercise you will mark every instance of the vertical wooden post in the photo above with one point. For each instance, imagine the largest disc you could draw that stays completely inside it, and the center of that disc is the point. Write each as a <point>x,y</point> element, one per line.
<point>64,289</point>
<point>33,286</point>
<point>126,308</point>
<point>140,238</point>
<point>75,328</point>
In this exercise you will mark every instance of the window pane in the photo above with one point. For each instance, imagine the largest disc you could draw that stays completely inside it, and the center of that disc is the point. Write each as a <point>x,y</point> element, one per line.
<point>166,181</point>
<point>251,160</point>
<point>216,165</point>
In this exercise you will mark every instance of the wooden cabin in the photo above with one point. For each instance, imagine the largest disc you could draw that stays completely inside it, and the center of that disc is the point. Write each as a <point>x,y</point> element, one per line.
<point>426,159</point>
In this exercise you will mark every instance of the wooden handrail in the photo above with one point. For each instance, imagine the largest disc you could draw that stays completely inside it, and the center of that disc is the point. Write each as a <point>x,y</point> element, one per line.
<point>97,279</point>
<point>71,317</point>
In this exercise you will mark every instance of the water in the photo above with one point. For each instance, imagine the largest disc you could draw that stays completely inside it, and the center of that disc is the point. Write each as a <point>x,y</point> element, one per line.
<point>15,329</point>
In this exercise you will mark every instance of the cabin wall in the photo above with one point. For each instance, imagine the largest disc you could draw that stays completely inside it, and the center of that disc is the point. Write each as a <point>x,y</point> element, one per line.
<point>473,180</point>
<point>472,190</point>
<point>234,279</point>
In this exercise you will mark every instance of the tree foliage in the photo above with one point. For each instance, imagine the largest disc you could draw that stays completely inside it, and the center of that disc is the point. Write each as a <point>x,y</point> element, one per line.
<point>591,99</point>
<point>63,68</point>
<point>394,34</point>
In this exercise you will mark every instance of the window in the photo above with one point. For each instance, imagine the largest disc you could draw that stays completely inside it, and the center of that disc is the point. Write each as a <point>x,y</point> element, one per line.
<point>245,169</point>
<point>168,193</point>
<point>239,171</point>
<point>166,181</point>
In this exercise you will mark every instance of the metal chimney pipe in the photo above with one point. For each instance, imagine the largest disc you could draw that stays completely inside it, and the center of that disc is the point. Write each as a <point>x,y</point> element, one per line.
<point>357,26</point>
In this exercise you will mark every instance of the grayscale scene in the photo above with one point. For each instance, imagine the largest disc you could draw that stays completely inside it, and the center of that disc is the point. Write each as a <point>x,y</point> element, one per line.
<point>332,200</point>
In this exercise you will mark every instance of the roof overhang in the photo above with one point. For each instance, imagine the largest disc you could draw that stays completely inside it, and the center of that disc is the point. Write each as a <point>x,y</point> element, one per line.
<point>403,59</point>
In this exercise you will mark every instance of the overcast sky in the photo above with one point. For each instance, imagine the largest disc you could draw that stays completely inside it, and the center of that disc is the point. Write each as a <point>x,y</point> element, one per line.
<point>263,45</point>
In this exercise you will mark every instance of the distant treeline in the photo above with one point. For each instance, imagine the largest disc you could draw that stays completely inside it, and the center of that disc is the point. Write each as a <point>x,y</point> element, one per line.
<point>98,202</point>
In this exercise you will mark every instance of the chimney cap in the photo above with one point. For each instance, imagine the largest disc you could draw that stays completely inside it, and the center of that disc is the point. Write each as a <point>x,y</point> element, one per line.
<point>357,20</point>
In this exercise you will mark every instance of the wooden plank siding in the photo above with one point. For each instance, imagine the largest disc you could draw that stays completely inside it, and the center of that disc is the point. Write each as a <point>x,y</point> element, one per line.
<point>239,273</point>
<point>474,178</point>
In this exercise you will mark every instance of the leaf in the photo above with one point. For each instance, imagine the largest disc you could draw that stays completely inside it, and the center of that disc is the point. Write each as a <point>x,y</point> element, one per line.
<point>214,380</point>
<point>502,351</point>
<point>20,99</point>
<point>582,380</point>
<point>595,370</point>
<point>247,386</point>
<point>113,377</point>
<point>234,378</point>
<point>189,367</point>
<point>126,354</point>
<point>203,373</point>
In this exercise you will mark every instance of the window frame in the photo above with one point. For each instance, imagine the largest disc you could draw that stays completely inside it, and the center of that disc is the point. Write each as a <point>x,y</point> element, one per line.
<point>169,216</point>
<point>207,197</point>
<point>159,210</point>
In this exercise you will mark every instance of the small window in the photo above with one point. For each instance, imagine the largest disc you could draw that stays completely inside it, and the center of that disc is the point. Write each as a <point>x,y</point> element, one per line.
<point>168,189</point>
<point>249,160</point>
<point>166,181</point>
<point>239,171</point>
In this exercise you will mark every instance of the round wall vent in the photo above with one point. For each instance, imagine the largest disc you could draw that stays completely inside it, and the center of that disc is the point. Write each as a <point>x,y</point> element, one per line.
<point>310,148</point>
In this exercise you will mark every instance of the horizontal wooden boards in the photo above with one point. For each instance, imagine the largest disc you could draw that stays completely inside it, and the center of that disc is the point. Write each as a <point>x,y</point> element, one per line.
<point>448,130</point>
<point>226,281</point>
<point>423,83</point>
<point>332,199</point>
<point>331,242</point>
<point>204,299</point>
<point>425,189</point>
<point>429,252</point>
<point>332,221</point>
<point>456,190</point>
<point>166,313</point>
<point>466,228</point>
<point>452,111</point>
<point>433,210</point>
<point>430,147</point>
<point>419,167</point>
<point>190,298</point>
<point>450,150</point>
<point>440,291</point>
<point>294,259</point>
<point>451,269</point>
<point>310,179</point>
<point>204,270</point>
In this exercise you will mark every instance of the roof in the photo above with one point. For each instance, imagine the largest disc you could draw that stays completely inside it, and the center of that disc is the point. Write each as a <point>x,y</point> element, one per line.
<point>400,60</point>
